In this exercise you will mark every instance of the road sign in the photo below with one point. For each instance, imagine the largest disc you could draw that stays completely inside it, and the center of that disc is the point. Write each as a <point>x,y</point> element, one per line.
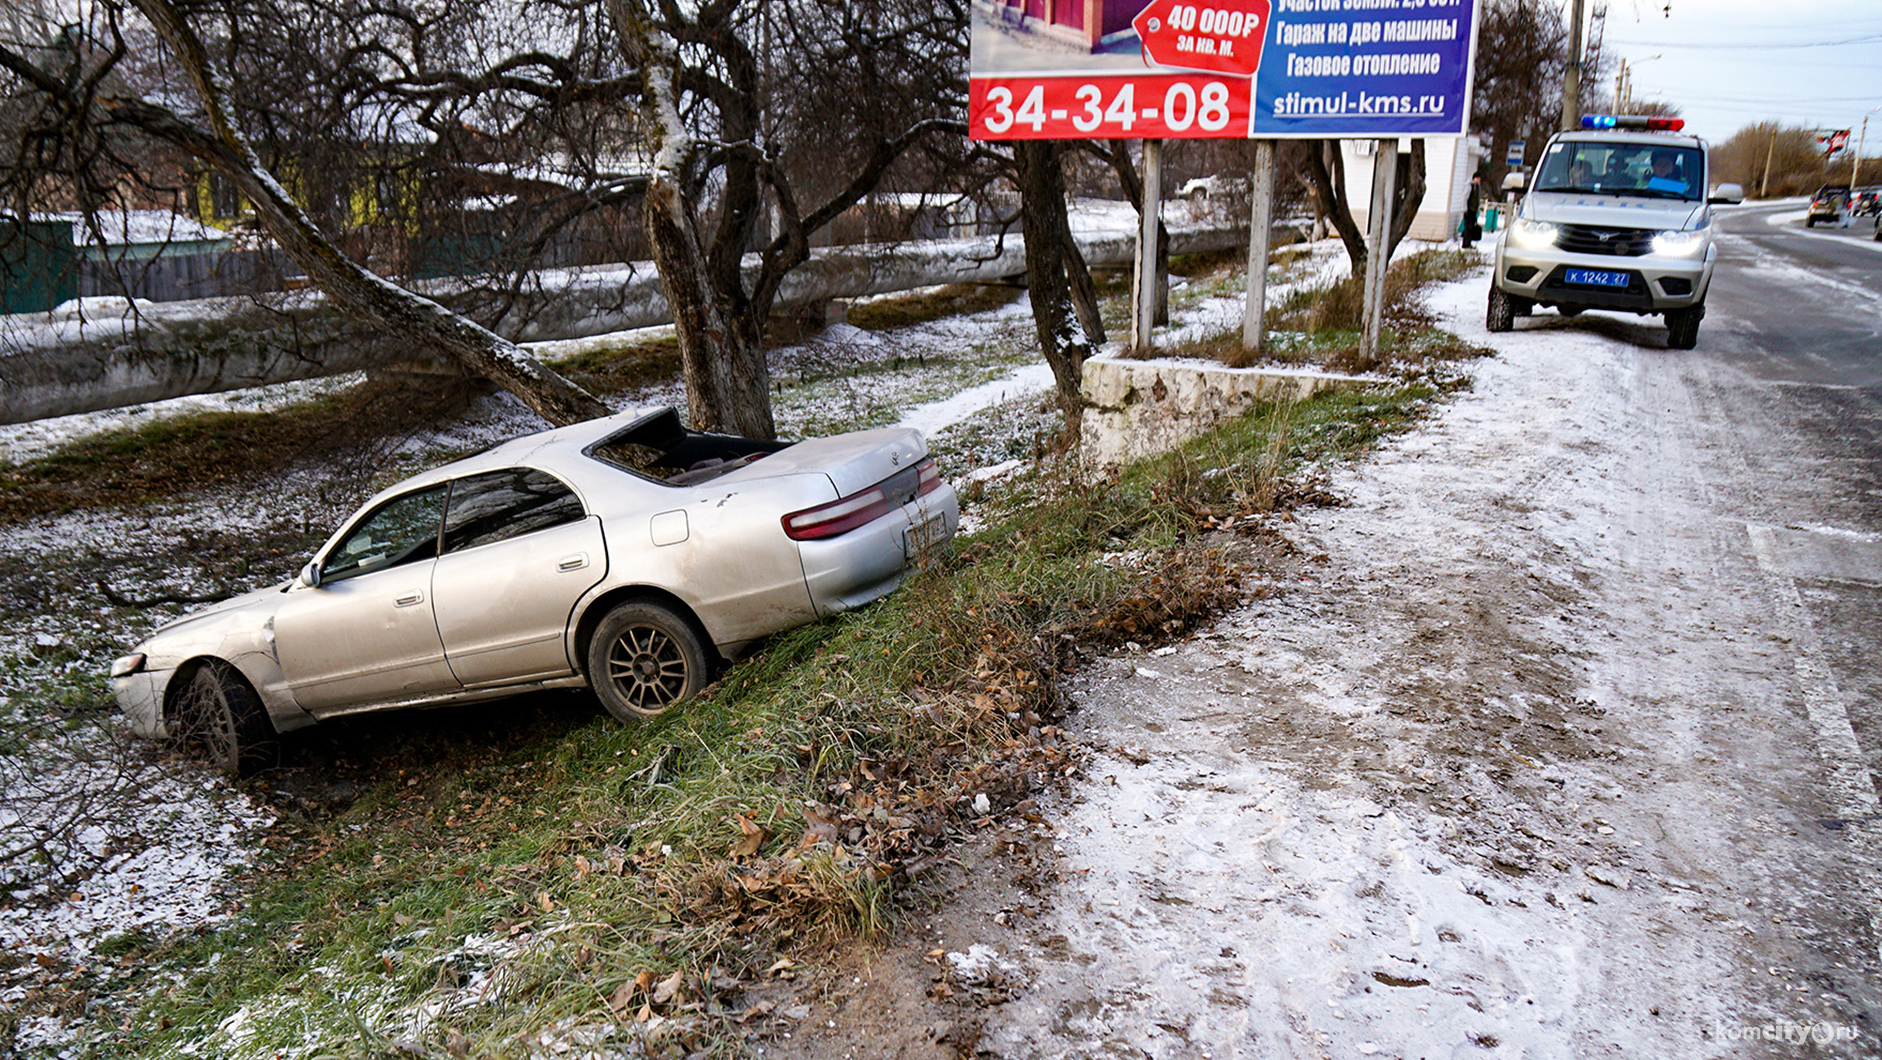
<point>1224,37</point>
<point>1514,155</point>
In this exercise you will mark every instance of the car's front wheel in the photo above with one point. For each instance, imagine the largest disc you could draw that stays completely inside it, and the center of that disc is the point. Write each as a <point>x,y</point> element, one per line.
<point>643,659</point>
<point>219,713</point>
<point>1501,315</point>
<point>1682,326</point>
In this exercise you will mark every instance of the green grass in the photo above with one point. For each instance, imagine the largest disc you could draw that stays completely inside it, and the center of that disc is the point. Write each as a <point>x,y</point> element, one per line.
<point>172,455</point>
<point>570,858</point>
<point>567,866</point>
<point>907,310</point>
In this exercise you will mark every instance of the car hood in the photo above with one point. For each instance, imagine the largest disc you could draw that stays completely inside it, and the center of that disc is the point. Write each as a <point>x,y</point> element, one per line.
<point>261,601</point>
<point>1612,211</point>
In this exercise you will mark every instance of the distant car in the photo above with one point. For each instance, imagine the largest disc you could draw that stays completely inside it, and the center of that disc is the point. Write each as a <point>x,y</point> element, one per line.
<point>626,554</point>
<point>1868,202</point>
<point>1830,205</point>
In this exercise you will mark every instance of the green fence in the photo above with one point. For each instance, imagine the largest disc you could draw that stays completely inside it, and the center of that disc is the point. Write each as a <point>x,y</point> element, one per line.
<point>38,265</point>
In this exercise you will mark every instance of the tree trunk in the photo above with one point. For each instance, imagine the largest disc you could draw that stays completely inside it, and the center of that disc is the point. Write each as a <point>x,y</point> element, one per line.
<point>422,322</point>
<point>1326,177</point>
<point>728,380</point>
<point>1048,239</point>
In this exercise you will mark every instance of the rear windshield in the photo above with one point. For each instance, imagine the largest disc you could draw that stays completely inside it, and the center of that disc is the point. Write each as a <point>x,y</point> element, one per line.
<point>662,448</point>
<point>1654,171</point>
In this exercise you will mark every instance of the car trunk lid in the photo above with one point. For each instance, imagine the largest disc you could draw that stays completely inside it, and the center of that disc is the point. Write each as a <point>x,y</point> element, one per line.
<point>852,462</point>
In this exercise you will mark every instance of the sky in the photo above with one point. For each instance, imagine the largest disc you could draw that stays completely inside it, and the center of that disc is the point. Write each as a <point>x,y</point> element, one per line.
<point>1727,64</point>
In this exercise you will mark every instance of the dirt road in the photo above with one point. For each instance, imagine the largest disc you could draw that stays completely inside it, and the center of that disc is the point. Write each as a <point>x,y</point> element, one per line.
<point>1541,752</point>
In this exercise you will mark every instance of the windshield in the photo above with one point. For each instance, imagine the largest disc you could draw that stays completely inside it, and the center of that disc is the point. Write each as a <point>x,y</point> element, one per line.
<point>1655,171</point>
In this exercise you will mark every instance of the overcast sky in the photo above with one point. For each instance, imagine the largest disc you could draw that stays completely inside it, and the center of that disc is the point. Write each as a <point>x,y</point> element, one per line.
<point>1727,64</point>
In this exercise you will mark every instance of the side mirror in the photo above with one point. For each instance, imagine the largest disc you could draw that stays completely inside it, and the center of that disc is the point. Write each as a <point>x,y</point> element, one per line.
<point>1515,180</point>
<point>310,575</point>
<point>1726,195</point>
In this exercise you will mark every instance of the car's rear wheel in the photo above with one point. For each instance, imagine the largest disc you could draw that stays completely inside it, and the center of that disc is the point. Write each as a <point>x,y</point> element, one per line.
<point>1682,326</point>
<point>644,658</point>
<point>219,714</point>
<point>1501,315</point>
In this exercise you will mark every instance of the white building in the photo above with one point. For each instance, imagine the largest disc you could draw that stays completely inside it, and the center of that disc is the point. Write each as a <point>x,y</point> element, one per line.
<point>1449,162</point>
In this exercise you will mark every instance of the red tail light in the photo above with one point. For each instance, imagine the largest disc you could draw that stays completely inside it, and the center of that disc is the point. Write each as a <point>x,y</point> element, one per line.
<point>844,514</point>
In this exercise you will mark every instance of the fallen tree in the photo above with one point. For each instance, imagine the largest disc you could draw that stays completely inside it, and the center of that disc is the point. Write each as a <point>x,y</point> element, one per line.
<point>62,366</point>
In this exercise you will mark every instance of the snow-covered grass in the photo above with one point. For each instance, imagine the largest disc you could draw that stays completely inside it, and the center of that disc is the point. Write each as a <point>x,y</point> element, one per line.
<point>164,851</point>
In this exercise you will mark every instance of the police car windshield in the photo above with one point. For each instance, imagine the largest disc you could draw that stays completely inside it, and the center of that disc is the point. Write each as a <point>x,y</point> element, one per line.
<point>1651,171</point>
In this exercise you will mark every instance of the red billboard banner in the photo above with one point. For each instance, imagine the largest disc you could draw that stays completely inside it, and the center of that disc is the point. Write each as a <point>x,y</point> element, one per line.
<point>1109,108</point>
<point>1223,37</point>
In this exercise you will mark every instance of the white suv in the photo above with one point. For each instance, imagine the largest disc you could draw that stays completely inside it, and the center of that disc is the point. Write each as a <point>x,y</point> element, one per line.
<point>1617,217</point>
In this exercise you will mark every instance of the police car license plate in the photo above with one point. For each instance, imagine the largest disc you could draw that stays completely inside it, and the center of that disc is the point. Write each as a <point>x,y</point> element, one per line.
<point>1596,278</point>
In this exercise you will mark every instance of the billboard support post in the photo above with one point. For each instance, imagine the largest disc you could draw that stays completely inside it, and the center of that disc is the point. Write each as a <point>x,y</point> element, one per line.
<point>1378,244</point>
<point>1260,228</point>
<point>1146,315</point>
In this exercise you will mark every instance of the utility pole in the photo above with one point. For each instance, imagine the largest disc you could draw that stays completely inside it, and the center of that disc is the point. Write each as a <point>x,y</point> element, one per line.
<point>1764,183</point>
<point>1620,89</point>
<point>1855,160</point>
<point>1571,77</point>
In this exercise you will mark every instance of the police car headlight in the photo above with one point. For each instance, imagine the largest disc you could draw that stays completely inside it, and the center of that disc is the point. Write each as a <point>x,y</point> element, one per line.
<point>1532,235</point>
<point>1679,244</point>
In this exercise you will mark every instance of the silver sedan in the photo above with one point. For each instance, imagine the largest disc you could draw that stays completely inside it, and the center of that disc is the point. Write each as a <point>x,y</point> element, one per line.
<point>628,554</point>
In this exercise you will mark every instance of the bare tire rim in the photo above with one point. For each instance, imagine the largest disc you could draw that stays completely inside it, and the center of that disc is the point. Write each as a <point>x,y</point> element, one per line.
<point>648,667</point>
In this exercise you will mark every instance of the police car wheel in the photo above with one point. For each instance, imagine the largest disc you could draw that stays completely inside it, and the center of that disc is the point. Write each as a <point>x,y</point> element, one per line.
<point>1682,327</point>
<point>1500,316</point>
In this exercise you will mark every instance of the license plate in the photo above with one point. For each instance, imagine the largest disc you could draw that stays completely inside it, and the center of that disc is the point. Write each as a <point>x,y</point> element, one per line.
<point>1596,278</point>
<point>924,536</point>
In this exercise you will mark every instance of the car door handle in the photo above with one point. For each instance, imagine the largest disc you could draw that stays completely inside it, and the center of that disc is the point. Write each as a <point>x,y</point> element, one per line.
<point>408,598</point>
<point>575,562</point>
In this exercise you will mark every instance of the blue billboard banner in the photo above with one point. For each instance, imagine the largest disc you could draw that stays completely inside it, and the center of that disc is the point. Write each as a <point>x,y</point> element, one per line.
<point>1344,69</point>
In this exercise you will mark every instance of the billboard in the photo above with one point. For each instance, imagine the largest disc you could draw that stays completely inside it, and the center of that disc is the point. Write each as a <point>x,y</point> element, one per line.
<point>1161,69</point>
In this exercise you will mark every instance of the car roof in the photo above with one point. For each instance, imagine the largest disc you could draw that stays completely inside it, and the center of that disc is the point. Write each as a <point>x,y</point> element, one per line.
<point>1630,136</point>
<point>558,443</point>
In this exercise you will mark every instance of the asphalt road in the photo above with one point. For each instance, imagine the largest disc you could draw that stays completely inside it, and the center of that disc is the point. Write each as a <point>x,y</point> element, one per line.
<point>1802,305</point>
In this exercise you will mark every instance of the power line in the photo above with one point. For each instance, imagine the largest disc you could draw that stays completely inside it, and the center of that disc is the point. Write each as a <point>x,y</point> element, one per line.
<point>1762,46</point>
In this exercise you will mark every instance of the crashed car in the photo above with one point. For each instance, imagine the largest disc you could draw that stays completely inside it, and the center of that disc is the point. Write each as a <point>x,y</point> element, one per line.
<point>627,554</point>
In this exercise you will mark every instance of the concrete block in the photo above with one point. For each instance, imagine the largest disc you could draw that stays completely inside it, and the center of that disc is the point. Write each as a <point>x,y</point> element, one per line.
<point>1143,408</point>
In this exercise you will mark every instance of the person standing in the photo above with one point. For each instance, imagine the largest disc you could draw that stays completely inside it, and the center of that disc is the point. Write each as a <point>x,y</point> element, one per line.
<point>1473,202</point>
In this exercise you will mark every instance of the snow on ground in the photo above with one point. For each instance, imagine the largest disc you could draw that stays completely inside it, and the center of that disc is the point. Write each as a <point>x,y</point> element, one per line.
<point>1500,771</point>
<point>140,843</point>
<point>160,847</point>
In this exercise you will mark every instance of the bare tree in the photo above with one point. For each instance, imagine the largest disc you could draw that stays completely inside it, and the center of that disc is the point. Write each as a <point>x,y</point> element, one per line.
<point>1522,51</point>
<point>362,132</point>
<point>873,80</point>
<point>1052,262</point>
<point>1326,179</point>
<point>88,102</point>
<point>1772,159</point>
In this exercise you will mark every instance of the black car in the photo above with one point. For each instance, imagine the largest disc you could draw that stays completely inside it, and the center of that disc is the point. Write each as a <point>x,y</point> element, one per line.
<point>1831,204</point>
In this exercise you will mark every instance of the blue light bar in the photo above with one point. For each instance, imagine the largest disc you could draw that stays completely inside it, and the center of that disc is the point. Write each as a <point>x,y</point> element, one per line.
<point>1632,121</point>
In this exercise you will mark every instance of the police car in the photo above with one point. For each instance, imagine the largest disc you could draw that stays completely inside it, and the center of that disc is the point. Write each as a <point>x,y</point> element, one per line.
<point>1617,218</point>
